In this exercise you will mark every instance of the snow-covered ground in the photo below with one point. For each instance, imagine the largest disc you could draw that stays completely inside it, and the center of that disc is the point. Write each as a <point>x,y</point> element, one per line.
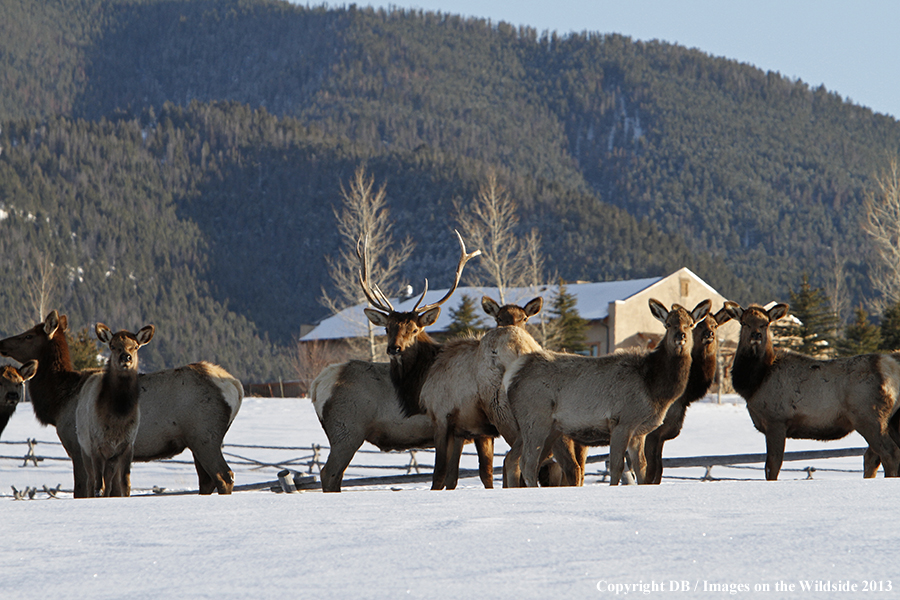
<point>736,536</point>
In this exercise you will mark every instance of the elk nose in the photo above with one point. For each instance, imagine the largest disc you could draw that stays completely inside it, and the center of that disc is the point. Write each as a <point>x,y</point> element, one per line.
<point>125,358</point>
<point>12,396</point>
<point>755,336</point>
<point>393,350</point>
<point>680,337</point>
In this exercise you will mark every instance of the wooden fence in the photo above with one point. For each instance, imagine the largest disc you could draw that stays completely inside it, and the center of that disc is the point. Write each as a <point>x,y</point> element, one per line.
<point>301,472</point>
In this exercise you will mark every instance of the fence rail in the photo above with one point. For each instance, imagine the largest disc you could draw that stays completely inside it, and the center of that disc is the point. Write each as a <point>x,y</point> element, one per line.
<point>299,472</point>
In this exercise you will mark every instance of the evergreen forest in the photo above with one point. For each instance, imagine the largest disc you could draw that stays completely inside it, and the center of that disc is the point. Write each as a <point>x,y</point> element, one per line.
<point>178,162</point>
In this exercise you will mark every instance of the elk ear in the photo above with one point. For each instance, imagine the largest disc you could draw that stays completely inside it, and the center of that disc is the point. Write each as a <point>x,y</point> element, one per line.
<point>429,316</point>
<point>51,323</point>
<point>722,316</point>
<point>145,335</point>
<point>376,316</point>
<point>28,369</point>
<point>63,323</point>
<point>777,312</point>
<point>103,333</point>
<point>534,307</point>
<point>733,309</point>
<point>490,306</point>
<point>701,310</point>
<point>658,309</point>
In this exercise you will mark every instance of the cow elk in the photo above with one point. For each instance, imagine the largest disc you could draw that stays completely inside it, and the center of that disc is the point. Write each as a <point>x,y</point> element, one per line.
<point>108,414</point>
<point>704,365</point>
<point>12,384</point>
<point>188,407</point>
<point>618,398</point>
<point>511,314</point>
<point>791,395</point>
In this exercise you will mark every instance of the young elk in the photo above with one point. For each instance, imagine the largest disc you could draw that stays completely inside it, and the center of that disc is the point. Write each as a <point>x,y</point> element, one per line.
<point>12,383</point>
<point>511,314</point>
<point>108,414</point>
<point>619,397</point>
<point>703,373</point>
<point>413,354</point>
<point>791,395</point>
<point>566,466</point>
<point>188,407</point>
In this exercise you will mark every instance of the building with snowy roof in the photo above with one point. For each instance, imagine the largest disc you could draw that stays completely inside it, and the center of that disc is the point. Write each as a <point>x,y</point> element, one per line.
<point>617,311</point>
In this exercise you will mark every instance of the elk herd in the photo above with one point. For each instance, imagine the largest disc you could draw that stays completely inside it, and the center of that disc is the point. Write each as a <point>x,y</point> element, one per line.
<point>548,406</point>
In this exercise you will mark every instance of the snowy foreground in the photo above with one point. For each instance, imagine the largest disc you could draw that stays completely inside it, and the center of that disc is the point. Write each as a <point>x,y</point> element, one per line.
<point>738,536</point>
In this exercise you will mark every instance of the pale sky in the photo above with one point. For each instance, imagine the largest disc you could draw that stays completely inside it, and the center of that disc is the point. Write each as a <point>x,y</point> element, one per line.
<point>853,47</point>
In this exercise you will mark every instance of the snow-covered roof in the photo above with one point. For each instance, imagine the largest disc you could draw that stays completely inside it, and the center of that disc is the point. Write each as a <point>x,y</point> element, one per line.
<point>592,301</point>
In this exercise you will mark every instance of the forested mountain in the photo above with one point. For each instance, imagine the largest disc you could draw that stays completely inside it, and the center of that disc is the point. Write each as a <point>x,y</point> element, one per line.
<point>179,160</point>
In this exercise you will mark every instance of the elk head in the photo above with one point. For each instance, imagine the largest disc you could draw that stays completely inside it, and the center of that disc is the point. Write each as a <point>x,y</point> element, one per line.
<point>35,342</point>
<point>679,324</point>
<point>755,321</point>
<point>123,346</point>
<point>12,381</point>
<point>404,328</point>
<point>511,314</point>
<point>705,330</point>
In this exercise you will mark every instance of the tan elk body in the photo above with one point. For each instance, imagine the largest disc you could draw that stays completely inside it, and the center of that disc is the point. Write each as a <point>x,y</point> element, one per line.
<point>464,395</point>
<point>108,414</point>
<point>188,407</point>
<point>792,395</point>
<point>356,402</point>
<point>619,397</point>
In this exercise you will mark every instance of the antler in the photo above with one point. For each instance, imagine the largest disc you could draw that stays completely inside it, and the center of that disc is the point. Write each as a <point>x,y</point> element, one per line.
<point>374,295</point>
<point>463,259</point>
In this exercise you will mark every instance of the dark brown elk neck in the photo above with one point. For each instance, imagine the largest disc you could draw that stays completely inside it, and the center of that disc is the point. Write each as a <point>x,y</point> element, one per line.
<point>409,370</point>
<point>119,393</point>
<point>702,374</point>
<point>55,383</point>
<point>750,369</point>
<point>665,375</point>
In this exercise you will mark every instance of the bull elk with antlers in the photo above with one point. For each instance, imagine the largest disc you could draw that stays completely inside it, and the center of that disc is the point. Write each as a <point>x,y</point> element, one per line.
<point>359,401</point>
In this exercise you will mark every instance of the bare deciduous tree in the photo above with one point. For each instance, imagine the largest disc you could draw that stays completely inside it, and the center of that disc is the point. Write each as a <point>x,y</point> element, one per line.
<point>40,284</point>
<point>364,212</point>
<point>883,225</point>
<point>489,223</point>
<point>311,357</point>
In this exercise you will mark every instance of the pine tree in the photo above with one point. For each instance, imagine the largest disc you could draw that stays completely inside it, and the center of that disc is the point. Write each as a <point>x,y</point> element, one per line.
<point>84,349</point>
<point>860,337</point>
<point>890,328</point>
<point>567,325</point>
<point>466,320</point>
<point>815,334</point>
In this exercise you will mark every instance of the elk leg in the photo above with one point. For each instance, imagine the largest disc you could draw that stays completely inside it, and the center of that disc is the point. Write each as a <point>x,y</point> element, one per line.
<point>871,462</point>
<point>484,445</point>
<point>82,488</point>
<point>638,458</point>
<point>512,473</point>
<point>619,441</point>
<point>453,455</point>
<point>443,448</point>
<point>208,456</point>
<point>343,449</point>
<point>653,447</point>
<point>89,478</point>
<point>775,436</point>
<point>566,452</point>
